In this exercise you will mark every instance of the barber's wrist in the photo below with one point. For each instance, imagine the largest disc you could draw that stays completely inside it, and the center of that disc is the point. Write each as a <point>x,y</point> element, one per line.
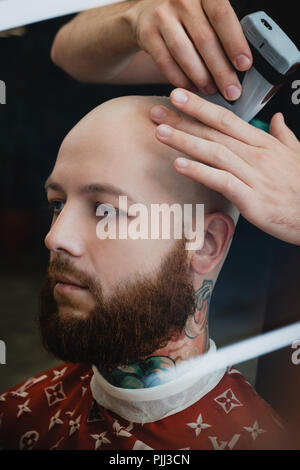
<point>130,18</point>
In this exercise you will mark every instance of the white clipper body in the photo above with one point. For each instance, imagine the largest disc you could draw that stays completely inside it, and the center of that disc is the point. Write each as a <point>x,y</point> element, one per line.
<point>274,57</point>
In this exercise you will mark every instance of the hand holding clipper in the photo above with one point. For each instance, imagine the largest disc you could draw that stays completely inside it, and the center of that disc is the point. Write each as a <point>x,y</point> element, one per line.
<point>275,56</point>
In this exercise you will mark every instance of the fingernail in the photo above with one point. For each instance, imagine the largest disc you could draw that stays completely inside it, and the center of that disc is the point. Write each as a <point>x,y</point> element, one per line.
<point>210,89</point>
<point>164,131</point>
<point>157,112</point>
<point>242,62</point>
<point>181,162</point>
<point>232,92</point>
<point>179,96</point>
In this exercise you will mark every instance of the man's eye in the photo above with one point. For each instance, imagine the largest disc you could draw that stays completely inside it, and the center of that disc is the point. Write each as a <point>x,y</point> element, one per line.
<point>56,206</point>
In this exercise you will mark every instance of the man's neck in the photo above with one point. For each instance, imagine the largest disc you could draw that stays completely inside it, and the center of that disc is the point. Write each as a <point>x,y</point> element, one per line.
<point>192,342</point>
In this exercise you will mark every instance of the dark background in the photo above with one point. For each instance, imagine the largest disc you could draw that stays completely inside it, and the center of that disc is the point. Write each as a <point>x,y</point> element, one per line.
<point>258,288</point>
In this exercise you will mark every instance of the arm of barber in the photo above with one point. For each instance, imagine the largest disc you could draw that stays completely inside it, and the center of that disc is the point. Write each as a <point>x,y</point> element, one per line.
<point>258,172</point>
<point>188,43</point>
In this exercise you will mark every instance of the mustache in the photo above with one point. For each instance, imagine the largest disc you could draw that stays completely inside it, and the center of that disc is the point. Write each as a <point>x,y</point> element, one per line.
<point>64,266</point>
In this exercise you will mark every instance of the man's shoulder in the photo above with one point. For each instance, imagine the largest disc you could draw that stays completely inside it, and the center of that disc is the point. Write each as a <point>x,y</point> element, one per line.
<point>237,403</point>
<point>66,371</point>
<point>235,391</point>
<point>48,387</point>
<point>38,402</point>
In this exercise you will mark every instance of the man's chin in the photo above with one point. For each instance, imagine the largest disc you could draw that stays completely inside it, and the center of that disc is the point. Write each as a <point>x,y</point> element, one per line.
<point>79,300</point>
<point>65,311</point>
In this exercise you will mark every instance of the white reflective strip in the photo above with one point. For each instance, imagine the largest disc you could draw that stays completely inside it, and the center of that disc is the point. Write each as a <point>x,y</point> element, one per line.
<point>241,351</point>
<point>15,13</point>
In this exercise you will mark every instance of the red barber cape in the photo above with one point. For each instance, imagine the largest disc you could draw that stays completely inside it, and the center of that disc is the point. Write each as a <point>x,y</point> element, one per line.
<point>56,410</point>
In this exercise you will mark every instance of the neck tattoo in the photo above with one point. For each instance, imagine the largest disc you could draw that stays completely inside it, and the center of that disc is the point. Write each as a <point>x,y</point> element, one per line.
<point>193,341</point>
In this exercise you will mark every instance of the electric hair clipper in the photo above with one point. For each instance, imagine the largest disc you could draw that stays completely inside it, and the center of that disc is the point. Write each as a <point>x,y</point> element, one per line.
<point>275,57</point>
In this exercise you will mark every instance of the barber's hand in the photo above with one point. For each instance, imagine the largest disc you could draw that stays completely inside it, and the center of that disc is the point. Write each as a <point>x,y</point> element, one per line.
<point>258,172</point>
<point>193,42</point>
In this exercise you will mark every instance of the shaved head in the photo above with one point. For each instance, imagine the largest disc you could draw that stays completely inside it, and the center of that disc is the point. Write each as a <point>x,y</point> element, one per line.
<point>122,126</point>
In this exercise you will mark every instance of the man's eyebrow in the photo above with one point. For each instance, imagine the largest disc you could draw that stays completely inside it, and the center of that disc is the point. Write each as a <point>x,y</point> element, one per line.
<point>104,188</point>
<point>50,184</point>
<point>91,188</point>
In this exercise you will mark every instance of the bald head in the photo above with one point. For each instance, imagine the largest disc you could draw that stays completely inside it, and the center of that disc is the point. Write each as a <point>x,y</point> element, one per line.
<point>121,133</point>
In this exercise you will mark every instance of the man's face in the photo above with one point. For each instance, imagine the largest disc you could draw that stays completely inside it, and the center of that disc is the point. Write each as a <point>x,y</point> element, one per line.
<point>130,296</point>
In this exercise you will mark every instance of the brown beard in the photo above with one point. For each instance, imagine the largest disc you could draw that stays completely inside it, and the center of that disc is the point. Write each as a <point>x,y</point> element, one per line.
<point>139,318</point>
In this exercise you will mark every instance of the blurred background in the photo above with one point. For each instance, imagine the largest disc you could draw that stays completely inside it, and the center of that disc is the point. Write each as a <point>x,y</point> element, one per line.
<point>43,104</point>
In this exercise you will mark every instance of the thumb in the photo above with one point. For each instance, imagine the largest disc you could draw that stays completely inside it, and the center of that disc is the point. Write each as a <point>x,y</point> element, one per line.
<point>280,131</point>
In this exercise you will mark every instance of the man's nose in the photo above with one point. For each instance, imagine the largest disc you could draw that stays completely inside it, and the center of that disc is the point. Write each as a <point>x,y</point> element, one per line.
<point>66,234</point>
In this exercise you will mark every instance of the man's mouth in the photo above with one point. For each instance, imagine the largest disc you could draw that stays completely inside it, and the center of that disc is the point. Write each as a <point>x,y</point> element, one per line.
<point>65,284</point>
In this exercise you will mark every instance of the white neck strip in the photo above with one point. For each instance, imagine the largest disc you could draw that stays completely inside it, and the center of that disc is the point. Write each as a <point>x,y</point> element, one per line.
<point>152,404</point>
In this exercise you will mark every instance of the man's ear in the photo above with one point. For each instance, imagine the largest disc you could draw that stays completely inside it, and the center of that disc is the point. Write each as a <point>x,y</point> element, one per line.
<point>218,232</point>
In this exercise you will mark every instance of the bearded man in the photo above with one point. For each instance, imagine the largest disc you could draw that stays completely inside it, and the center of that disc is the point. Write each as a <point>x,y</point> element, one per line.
<point>125,312</point>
